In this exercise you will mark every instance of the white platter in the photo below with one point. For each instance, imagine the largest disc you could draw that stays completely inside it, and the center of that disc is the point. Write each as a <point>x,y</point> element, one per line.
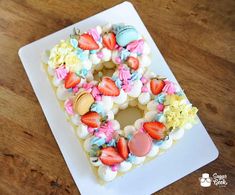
<point>193,151</point>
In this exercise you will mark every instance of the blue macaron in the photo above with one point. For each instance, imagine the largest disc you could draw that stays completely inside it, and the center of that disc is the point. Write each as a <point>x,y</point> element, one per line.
<point>125,34</point>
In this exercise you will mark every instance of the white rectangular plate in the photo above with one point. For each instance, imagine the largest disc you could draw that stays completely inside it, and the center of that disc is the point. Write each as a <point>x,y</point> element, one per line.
<point>185,157</point>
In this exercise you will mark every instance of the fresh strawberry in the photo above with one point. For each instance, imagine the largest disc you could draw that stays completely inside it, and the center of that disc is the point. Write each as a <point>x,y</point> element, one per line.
<point>155,129</point>
<point>108,87</point>
<point>109,40</point>
<point>156,86</point>
<point>71,80</point>
<point>87,42</point>
<point>91,119</point>
<point>133,62</point>
<point>109,156</point>
<point>122,147</point>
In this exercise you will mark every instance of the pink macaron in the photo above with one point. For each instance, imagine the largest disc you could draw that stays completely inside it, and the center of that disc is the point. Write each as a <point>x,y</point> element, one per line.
<point>140,144</point>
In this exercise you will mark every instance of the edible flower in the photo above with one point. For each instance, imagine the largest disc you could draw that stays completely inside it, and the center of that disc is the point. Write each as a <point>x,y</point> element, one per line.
<point>58,54</point>
<point>73,63</point>
<point>177,113</point>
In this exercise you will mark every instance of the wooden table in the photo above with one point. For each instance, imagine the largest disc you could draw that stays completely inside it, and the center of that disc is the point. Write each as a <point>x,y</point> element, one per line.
<point>197,40</point>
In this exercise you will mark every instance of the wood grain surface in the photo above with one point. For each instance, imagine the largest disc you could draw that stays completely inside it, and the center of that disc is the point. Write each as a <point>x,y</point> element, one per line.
<point>197,39</point>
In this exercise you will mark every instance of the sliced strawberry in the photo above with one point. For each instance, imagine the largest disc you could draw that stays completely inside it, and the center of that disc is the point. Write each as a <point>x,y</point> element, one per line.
<point>122,148</point>
<point>109,156</point>
<point>155,129</point>
<point>87,42</point>
<point>156,86</point>
<point>133,62</point>
<point>109,40</point>
<point>71,80</point>
<point>91,119</point>
<point>108,87</point>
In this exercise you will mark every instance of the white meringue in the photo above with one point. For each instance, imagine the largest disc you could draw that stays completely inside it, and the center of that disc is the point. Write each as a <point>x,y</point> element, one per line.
<point>107,103</point>
<point>121,98</point>
<point>144,61</point>
<point>136,89</point>
<point>50,71</point>
<point>75,119</point>
<point>115,109</point>
<point>138,160</point>
<point>177,134</point>
<point>87,144</point>
<point>149,116</point>
<point>188,126</point>
<point>56,82</point>
<point>99,29</point>
<point>94,59</point>
<point>114,56</point>
<point>124,166</point>
<point>106,173</point>
<point>139,122</point>
<point>123,106</point>
<point>107,54</point>
<point>149,74</point>
<point>82,131</point>
<point>144,98</point>
<point>129,129</point>
<point>154,151</point>
<point>87,64</point>
<point>62,93</point>
<point>116,125</point>
<point>167,143</point>
<point>146,49</point>
<point>110,115</point>
<point>152,105</point>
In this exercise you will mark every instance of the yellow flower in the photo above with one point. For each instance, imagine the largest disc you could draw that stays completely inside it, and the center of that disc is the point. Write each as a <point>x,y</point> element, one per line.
<point>59,53</point>
<point>73,63</point>
<point>177,112</point>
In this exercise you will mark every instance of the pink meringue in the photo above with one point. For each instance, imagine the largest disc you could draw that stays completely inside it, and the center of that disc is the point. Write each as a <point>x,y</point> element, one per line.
<point>68,104</point>
<point>61,72</point>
